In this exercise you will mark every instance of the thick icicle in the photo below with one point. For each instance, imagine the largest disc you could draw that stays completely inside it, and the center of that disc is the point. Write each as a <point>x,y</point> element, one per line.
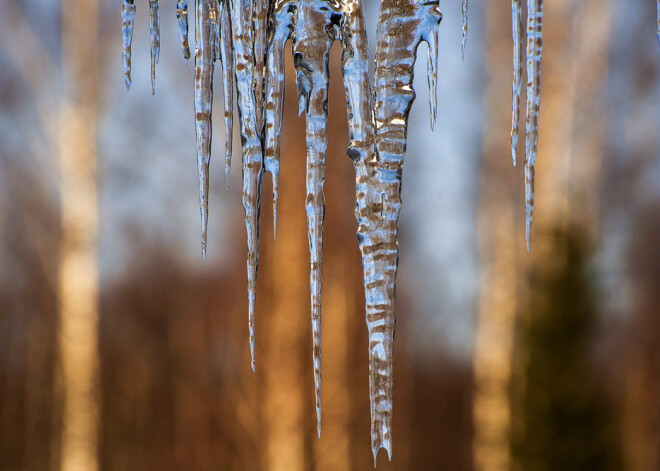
<point>154,27</point>
<point>315,32</point>
<point>402,25</point>
<point>281,22</point>
<point>127,19</point>
<point>182,18</point>
<point>517,25</point>
<point>534,51</point>
<point>203,105</point>
<point>227,58</point>
<point>464,9</point>
<point>243,41</point>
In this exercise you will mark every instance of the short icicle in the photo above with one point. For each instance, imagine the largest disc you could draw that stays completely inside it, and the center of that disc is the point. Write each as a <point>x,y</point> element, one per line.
<point>315,32</point>
<point>534,52</point>
<point>402,26</point>
<point>203,105</point>
<point>517,25</point>
<point>182,18</point>
<point>464,10</point>
<point>243,46</point>
<point>127,20</point>
<point>227,58</point>
<point>154,28</point>
<point>281,22</point>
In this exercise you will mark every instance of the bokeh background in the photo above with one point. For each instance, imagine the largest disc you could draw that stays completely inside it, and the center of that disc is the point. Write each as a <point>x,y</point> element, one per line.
<point>121,350</point>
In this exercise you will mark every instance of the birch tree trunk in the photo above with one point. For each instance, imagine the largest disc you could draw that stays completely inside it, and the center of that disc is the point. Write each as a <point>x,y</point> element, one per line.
<point>78,271</point>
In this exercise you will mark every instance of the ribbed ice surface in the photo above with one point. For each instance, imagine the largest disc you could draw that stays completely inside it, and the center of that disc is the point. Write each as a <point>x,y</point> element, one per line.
<point>402,26</point>
<point>534,50</point>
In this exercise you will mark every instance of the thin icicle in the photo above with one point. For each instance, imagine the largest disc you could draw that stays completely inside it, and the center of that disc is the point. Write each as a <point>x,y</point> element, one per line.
<point>315,32</point>
<point>464,9</point>
<point>402,25</point>
<point>154,28</point>
<point>127,19</point>
<point>534,52</point>
<point>281,22</point>
<point>203,105</point>
<point>227,58</point>
<point>182,18</point>
<point>517,25</point>
<point>243,41</point>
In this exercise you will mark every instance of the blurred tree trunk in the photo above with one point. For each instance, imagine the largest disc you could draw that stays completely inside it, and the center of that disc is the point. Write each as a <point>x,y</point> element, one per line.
<point>501,244</point>
<point>78,272</point>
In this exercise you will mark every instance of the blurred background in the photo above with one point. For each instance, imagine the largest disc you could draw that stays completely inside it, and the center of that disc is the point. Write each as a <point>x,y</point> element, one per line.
<point>121,350</point>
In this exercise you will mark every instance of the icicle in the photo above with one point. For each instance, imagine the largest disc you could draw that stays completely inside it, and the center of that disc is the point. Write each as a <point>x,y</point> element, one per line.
<point>260,24</point>
<point>315,33</point>
<point>517,25</point>
<point>534,51</point>
<point>464,8</point>
<point>281,22</point>
<point>182,18</point>
<point>227,58</point>
<point>658,10</point>
<point>243,42</point>
<point>203,105</point>
<point>402,25</point>
<point>127,19</point>
<point>154,27</point>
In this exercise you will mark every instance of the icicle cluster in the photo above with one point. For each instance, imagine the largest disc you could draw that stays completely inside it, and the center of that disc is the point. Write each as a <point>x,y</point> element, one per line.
<point>534,50</point>
<point>248,37</point>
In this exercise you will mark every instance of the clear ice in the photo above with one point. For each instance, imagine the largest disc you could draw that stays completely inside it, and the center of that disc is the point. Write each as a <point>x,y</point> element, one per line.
<point>154,28</point>
<point>182,18</point>
<point>249,38</point>
<point>534,51</point>
<point>517,25</point>
<point>127,20</point>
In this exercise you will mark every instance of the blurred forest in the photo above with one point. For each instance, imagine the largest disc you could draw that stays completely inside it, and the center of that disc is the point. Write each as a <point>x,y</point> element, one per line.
<point>121,350</point>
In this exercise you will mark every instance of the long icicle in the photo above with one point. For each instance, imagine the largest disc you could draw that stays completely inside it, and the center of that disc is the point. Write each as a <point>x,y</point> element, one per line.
<point>127,20</point>
<point>282,18</point>
<point>203,105</point>
<point>182,19</point>
<point>154,28</point>
<point>402,25</point>
<point>315,33</point>
<point>534,52</point>
<point>243,45</point>
<point>227,58</point>
<point>517,26</point>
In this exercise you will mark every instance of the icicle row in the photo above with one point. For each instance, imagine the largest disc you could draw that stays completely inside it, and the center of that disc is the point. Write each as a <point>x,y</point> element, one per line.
<point>402,25</point>
<point>517,25</point>
<point>127,20</point>
<point>154,28</point>
<point>534,51</point>
<point>244,47</point>
<point>182,18</point>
